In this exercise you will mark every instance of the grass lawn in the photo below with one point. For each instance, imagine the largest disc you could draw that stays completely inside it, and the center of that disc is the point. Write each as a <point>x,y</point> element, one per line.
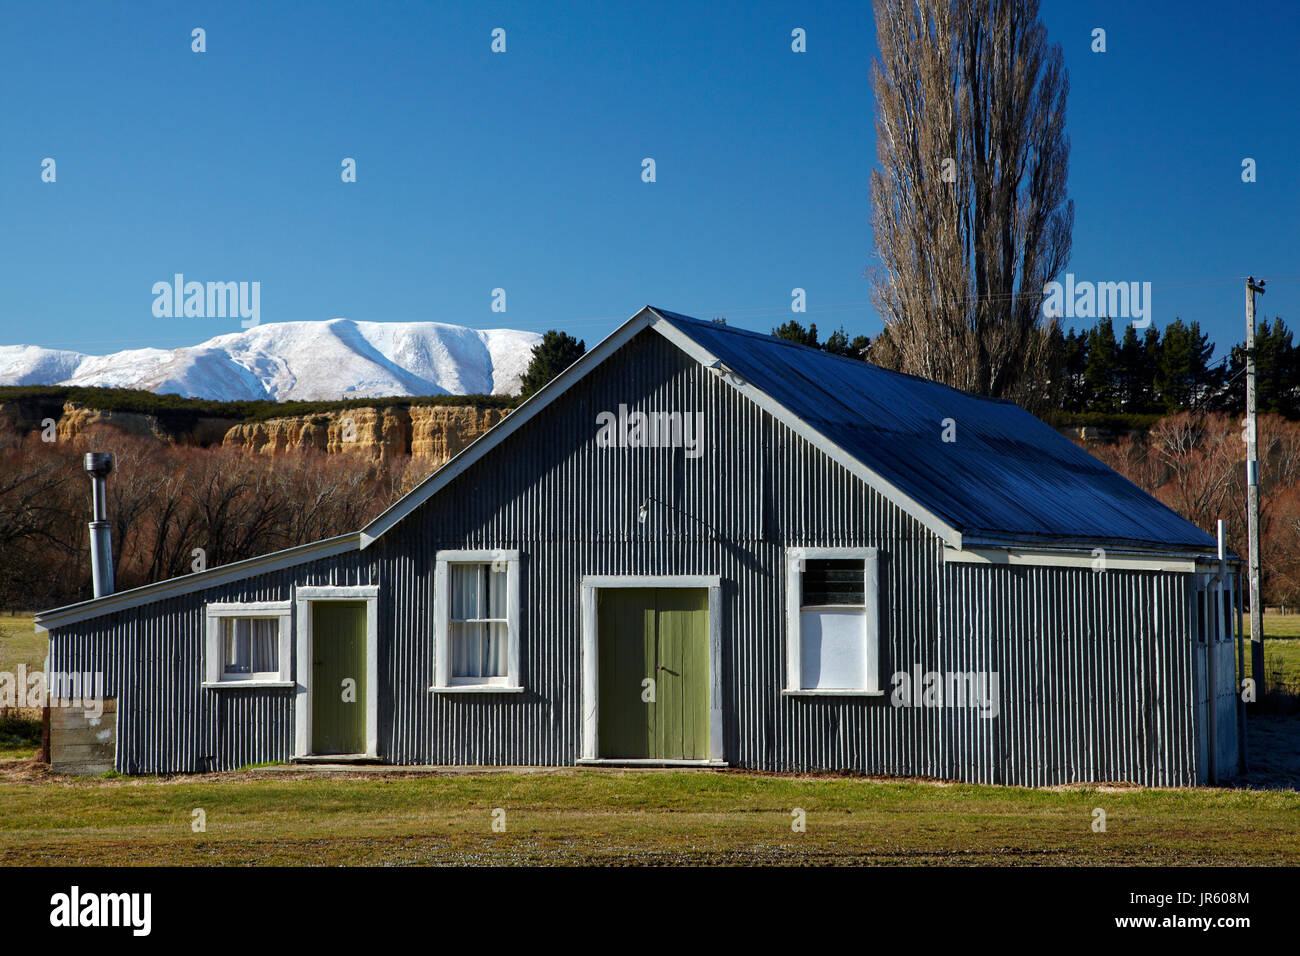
<point>1277,625</point>
<point>603,817</point>
<point>1281,651</point>
<point>20,731</point>
<point>19,643</point>
<point>1282,663</point>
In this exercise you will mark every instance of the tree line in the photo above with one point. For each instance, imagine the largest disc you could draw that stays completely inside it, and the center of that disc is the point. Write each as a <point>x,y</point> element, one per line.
<point>1146,372</point>
<point>174,509</point>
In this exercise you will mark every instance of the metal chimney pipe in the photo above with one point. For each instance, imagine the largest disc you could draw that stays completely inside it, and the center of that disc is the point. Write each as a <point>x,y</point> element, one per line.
<point>98,465</point>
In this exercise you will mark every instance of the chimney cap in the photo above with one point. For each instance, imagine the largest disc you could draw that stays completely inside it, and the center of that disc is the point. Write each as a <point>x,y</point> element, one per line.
<point>99,463</point>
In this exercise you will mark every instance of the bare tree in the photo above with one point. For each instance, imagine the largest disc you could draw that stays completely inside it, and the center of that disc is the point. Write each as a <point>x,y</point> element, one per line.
<point>1200,457</point>
<point>969,205</point>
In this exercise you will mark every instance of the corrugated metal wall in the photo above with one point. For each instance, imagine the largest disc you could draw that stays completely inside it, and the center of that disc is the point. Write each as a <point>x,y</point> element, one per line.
<point>1095,671</point>
<point>571,508</point>
<point>152,661</point>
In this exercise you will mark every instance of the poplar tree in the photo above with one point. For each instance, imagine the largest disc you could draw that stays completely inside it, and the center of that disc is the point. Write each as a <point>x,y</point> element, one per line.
<point>969,208</point>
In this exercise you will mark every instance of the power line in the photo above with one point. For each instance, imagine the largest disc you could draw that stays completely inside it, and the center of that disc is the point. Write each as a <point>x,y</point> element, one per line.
<point>754,312</point>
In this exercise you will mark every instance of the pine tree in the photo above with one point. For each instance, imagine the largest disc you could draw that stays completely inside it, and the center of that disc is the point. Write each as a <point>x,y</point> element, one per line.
<point>556,352</point>
<point>837,343</point>
<point>1275,368</point>
<point>1101,370</point>
<point>792,331</point>
<point>1137,369</point>
<point>1075,396</point>
<point>1150,362</point>
<point>1183,373</point>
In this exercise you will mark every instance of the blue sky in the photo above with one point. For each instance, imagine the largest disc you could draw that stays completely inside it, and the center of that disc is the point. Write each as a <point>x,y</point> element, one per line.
<point>522,170</point>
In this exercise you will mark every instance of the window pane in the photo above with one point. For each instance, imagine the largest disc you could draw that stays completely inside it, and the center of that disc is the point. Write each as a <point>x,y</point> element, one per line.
<point>237,644</point>
<point>266,644</point>
<point>833,581</point>
<point>477,593</point>
<point>478,650</point>
<point>494,651</point>
<point>465,641</point>
<point>496,608</point>
<point>465,591</point>
<point>832,646</point>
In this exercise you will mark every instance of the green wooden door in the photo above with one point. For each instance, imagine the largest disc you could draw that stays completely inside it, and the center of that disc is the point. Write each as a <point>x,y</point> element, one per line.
<point>338,675</point>
<point>656,635</point>
<point>682,692</point>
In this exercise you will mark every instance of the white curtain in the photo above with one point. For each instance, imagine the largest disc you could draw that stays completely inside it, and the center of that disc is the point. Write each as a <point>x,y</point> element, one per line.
<point>252,644</point>
<point>478,621</point>
<point>266,644</point>
<point>237,645</point>
<point>478,649</point>
<point>465,592</point>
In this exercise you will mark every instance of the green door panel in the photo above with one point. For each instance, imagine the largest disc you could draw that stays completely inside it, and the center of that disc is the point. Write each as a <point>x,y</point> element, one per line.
<point>626,623</point>
<point>659,635</point>
<point>682,708</point>
<point>338,638</point>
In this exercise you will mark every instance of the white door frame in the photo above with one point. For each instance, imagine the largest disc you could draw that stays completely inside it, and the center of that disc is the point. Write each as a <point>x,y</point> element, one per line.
<point>591,660</point>
<point>304,597</point>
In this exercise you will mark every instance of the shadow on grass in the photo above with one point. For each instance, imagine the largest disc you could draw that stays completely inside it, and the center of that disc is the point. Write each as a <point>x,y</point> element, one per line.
<point>1272,751</point>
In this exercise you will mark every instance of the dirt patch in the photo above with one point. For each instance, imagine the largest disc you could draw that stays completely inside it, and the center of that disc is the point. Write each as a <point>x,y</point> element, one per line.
<point>25,770</point>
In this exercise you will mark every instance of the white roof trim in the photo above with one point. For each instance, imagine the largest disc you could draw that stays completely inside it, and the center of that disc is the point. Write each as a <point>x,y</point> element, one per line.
<point>186,584</point>
<point>976,542</point>
<point>1113,560</point>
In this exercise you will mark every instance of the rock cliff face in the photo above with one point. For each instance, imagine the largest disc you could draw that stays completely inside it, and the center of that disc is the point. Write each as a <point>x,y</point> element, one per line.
<point>432,432</point>
<point>72,419</point>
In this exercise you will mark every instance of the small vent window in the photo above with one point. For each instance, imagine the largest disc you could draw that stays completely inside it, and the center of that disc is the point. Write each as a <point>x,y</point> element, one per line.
<point>833,582</point>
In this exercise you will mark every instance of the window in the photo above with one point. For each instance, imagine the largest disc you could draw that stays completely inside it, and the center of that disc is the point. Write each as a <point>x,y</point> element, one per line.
<point>249,645</point>
<point>832,621</point>
<point>479,629</point>
<point>476,621</point>
<point>1215,611</point>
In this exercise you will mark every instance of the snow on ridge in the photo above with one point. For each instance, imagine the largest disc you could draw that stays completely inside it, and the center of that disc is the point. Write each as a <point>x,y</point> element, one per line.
<point>338,358</point>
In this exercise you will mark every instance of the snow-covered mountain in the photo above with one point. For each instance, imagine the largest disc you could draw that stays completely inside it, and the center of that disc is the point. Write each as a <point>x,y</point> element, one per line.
<point>310,361</point>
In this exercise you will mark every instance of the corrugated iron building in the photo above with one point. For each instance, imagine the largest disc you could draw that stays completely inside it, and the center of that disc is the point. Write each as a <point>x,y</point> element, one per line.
<point>705,546</point>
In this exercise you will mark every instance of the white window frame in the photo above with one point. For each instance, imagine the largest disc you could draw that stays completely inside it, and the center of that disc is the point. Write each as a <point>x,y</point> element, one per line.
<point>794,559</point>
<point>444,682</point>
<point>215,672</point>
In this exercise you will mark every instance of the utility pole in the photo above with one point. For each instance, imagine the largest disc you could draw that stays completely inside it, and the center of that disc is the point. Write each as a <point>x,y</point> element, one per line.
<point>1252,494</point>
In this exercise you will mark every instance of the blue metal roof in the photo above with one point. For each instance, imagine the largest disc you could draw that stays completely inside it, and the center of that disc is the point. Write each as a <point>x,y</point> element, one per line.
<point>1006,476</point>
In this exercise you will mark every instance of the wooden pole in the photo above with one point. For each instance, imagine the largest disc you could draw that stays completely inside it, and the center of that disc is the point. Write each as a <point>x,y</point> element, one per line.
<point>1252,495</point>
